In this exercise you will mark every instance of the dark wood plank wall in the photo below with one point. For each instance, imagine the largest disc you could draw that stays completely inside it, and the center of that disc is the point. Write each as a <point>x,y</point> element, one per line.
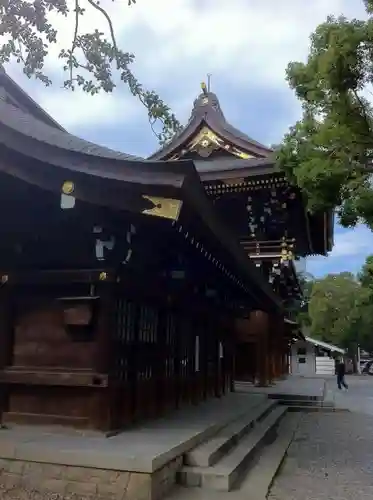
<point>159,365</point>
<point>152,354</point>
<point>51,374</point>
<point>135,359</point>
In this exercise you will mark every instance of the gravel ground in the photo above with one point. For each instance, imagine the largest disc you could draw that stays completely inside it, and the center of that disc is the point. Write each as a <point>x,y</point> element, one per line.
<point>331,458</point>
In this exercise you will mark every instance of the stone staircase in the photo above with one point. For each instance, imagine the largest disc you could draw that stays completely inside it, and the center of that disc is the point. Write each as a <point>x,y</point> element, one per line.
<point>249,449</point>
<point>221,462</point>
<point>296,403</point>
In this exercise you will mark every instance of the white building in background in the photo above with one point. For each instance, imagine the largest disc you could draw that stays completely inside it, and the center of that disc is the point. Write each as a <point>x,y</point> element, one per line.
<point>313,357</point>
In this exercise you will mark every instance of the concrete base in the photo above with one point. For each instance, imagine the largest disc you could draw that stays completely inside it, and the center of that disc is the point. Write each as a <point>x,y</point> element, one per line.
<point>256,484</point>
<point>224,475</point>
<point>29,480</point>
<point>138,464</point>
<point>293,387</point>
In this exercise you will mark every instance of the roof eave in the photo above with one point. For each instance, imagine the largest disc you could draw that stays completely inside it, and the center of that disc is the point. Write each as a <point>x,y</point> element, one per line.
<point>325,345</point>
<point>41,114</point>
<point>95,175</point>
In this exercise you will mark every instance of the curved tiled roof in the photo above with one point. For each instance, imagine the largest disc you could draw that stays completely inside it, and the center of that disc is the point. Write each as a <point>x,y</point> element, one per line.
<point>207,111</point>
<point>27,125</point>
<point>23,134</point>
<point>15,93</point>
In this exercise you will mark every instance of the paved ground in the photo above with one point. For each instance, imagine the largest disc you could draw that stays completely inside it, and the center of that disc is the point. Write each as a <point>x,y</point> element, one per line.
<point>331,458</point>
<point>359,397</point>
<point>293,385</point>
<point>141,449</point>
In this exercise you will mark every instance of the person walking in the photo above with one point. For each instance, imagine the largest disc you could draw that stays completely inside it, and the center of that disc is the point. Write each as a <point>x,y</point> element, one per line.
<point>341,372</point>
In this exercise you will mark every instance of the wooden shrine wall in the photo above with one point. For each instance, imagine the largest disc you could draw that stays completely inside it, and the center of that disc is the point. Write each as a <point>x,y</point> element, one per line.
<point>48,370</point>
<point>159,357</point>
<point>142,350</point>
<point>42,339</point>
<point>164,358</point>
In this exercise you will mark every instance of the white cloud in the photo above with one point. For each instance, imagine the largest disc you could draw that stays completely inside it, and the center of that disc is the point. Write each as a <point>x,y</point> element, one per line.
<point>349,253</point>
<point>353,243</point>
<point>178,41</point>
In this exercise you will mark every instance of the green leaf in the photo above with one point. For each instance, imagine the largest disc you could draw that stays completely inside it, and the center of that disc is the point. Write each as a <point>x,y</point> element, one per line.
<point>92,62</point>
<point>329,152</point>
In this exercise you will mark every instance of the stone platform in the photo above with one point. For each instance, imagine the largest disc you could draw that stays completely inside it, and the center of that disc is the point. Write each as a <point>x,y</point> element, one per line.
<point>291,388</point>
<point>137,464</point>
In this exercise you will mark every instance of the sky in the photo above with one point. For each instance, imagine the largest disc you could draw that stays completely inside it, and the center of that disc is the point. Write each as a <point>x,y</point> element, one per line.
<point>244,44</point>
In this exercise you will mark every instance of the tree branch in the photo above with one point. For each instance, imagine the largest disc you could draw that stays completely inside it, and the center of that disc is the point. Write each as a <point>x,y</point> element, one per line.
<point>26,24</point>
<point>111,28</point>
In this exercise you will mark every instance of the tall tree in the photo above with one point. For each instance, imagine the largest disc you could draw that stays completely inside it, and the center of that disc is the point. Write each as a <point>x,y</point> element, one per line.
<point>366,274</point>
<point>340,308</point>
<point>331,304</point>
<point>306,282</point>
<point>91,61</point>
<point>329,152</point>
<point>363,315</point>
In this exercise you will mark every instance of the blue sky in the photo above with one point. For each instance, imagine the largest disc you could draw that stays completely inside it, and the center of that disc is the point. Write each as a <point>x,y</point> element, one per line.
<point>244,44</point>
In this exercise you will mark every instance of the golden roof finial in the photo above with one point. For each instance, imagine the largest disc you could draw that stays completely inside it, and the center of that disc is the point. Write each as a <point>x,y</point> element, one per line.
<point>204,87</point>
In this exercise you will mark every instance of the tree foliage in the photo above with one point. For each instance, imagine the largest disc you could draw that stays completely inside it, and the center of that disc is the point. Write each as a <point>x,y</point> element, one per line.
<point>329,152</point>
<point>340,308</point>
<point>306,282</point>
<point>90,60</point>
<point>331,304</point>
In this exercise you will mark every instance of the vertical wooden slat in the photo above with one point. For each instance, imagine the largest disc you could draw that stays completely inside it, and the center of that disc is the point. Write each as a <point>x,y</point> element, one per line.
<point>161,356</point>
<point>104,328</point>
<point>177,360</point>
<point>6,330</point>
<point>6,342</point>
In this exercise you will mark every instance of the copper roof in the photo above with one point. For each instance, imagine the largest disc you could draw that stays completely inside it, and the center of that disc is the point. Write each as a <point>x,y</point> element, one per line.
<point>207,111</point>
<point>116,178</point>
<point>13,93</point>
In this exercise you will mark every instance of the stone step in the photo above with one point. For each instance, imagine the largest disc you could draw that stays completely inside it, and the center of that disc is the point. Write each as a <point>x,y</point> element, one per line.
<point>298,397</point>
<point>310,409</point>
<point>258,481</point>
<point>300,402</point>
<point>209,452</point>
<point>223,475</point>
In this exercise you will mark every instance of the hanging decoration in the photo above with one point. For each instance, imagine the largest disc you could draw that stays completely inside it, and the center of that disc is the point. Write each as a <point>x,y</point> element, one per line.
<point>67,198</point>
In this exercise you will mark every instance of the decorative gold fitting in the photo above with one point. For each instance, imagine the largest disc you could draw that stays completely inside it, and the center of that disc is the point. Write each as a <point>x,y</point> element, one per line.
<point>204,87</point>
<point>102,276</point>
<point>167,208</point>
<point>68,187</point>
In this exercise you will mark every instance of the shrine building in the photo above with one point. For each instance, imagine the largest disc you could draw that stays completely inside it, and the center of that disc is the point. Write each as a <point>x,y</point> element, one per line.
<point>131,288</point>
<point>121,282</point>
<point>270,219</point>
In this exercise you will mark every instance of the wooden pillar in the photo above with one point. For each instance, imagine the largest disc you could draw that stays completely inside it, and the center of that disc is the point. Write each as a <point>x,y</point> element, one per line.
<point>216,343</point>
<point>284,354</point>
<point>260,324</point>
<point>6,337</point>
<point>6,342</point>
<point>279,355</point>
<point>104,330</point>
<point>274,356</point>
<point>177,377</point>
<point>102,402</point>
<point>160,361</point>
<point>263,361</point>
<point>231,351</point>
<point>272,347</point>
<point>271,359</point>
